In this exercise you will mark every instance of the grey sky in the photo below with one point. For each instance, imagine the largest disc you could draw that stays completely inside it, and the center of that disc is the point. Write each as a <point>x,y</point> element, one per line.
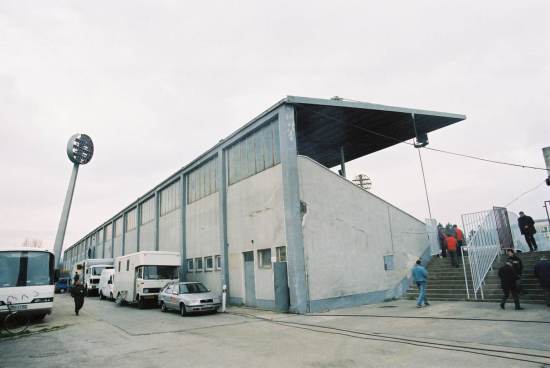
<point>157,83</point>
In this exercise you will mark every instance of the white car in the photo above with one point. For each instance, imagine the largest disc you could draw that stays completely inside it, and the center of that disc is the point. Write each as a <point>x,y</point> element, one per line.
<point>188,297</point>
<point>106,284</point>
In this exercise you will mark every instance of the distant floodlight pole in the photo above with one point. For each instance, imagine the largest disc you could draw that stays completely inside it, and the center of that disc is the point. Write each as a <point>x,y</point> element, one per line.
<point>546,154</point>
<point>80,150</point>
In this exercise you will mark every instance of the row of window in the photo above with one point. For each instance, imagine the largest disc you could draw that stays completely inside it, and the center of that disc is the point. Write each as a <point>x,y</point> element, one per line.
<point>170,198</point>
<point>252,154</point>
<point>203,181</point>
<point>147,211</point>
<point>264,256</point>
<point>131,217</point>
<point>255,153</point>
<point>209,263</point>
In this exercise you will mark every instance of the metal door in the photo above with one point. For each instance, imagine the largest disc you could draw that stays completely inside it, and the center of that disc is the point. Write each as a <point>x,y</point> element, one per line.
<point>249,282</point>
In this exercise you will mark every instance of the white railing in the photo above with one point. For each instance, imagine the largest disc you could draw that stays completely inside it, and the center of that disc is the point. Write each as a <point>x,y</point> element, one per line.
<point>483,246</point>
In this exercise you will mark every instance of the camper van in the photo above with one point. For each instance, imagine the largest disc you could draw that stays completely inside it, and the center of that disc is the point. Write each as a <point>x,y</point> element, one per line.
<point>140,276</point>
<point>90,272</point>
<point>106,284</point>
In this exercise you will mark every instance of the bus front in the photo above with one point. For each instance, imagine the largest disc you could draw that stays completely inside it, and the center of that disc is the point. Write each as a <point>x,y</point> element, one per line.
<point>27,281</point>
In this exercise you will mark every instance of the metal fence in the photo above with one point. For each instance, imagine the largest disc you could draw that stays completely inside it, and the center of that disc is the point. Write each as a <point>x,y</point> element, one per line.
<point>486,232</point>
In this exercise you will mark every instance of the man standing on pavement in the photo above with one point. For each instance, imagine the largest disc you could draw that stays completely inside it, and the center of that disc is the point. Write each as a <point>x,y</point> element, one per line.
<point>508,280</point>
<point>77,292</point>
<point>527,228</point>
<point>542,272</point>
<point>451,243</point>
<point>420,276</point>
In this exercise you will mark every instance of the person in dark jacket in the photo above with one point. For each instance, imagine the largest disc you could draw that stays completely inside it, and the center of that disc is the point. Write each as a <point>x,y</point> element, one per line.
<point>77,292</point>
<point>527,228</point>
<point>542,272</point>
<point>508,280</point>
<point>441,238</point>
<point>517,265</point>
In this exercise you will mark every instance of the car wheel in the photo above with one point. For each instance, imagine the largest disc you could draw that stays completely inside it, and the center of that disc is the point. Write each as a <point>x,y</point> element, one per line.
<point>40,317</point>
<point>183,311</point>
<point>163,307</point>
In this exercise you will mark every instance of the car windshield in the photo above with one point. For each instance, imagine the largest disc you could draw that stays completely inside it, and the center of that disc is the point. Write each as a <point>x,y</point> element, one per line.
<point>26,269</point>
<point>160,272</point>
<point>193,288</point>
<point>96,271</point>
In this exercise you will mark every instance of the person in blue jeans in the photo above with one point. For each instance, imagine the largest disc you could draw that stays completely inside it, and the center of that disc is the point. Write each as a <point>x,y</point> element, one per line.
<point>420,276</point>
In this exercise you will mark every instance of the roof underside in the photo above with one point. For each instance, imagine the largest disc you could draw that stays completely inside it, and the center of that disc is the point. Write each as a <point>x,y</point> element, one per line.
<point>323,126</point>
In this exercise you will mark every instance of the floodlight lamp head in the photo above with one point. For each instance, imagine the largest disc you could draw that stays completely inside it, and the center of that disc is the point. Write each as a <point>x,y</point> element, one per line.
<point>80,149</point>
<point>421,140</point>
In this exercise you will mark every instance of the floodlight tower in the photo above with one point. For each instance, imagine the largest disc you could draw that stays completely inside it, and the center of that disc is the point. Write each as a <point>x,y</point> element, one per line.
<point>80,150</point>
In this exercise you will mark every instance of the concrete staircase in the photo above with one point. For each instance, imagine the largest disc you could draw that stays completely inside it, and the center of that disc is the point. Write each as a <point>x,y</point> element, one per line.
<point>446,283</point>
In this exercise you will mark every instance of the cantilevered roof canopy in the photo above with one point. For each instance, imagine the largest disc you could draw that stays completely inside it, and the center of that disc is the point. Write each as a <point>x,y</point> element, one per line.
<point>324,126</point>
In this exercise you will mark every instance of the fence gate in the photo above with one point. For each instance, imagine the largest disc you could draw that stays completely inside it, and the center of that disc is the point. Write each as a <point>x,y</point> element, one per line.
<point>487,232</point>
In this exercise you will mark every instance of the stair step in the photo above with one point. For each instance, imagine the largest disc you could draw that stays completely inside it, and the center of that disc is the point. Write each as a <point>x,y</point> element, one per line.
<point>446,283</point>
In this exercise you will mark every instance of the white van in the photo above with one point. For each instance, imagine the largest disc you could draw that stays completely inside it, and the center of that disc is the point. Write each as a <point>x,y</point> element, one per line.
<point>140,276</point>
<point>106,284</point>
<point>90,271</point>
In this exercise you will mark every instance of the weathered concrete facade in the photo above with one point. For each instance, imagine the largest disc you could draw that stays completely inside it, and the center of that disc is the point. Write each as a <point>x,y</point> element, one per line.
<point>346,238</point>
<point>264,195</point>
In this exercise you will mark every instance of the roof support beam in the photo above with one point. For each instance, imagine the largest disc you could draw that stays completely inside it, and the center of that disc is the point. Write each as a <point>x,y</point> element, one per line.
<point>291,207</point>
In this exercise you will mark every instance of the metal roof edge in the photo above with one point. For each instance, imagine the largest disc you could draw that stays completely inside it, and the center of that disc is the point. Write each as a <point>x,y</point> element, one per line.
<point>369,106</point>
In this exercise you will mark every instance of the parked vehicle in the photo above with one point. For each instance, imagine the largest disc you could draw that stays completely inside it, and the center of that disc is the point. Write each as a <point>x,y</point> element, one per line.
<point>140,276</point>
<point>188,297</point>
<point>90,271</point>
<point>26,281</point>
<point>106,284</point>
<point>62,284</point>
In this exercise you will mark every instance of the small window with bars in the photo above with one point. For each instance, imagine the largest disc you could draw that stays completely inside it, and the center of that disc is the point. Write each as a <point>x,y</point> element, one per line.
<point>264,258</point>
<point>209,263</point>
<point>198,264</point>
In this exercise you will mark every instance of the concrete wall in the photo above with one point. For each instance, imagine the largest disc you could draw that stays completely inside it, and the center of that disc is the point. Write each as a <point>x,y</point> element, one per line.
<point>169,231</point>
<point>130,242</point>
<point>347,232</point>
<point>254,221</point>
<point>203,238</point>
<point>147,236</point>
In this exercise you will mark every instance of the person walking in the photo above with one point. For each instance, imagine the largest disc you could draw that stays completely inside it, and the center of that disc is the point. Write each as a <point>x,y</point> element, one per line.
<point>542,273</point>
<point>77,292</point>
<point>517,265</point>
<point>420,276</point>
<point>451,244</point>
<point>76,277</point>
<point>508,280</point>
<point>527,228</point>
<point>441,238</point>
<point>459,239</point>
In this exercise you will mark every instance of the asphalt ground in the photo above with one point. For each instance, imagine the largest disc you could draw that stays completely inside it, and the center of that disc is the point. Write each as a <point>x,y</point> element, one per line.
<point>395,334</point>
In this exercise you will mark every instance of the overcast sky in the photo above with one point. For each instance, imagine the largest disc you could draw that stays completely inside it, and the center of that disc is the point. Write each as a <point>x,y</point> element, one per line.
<point>156,83</point>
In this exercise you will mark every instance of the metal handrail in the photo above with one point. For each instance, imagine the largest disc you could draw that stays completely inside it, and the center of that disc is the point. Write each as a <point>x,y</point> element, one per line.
<point>483,246</point>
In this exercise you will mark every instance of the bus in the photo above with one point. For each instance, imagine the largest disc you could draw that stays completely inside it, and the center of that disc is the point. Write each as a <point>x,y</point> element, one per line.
<point>27,281</point>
